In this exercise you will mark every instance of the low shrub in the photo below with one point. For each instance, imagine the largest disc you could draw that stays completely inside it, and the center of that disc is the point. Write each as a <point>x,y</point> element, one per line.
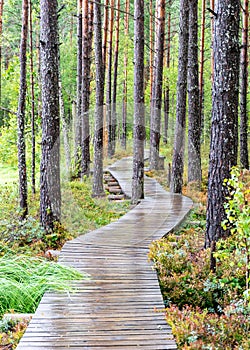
<point>197,329</point>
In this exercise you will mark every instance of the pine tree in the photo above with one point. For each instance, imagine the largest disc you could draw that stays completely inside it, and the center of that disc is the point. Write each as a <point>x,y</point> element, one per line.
<point>139,114</point>
<point>50,190</point>
<point>224,141</point>
<point>22,169</point>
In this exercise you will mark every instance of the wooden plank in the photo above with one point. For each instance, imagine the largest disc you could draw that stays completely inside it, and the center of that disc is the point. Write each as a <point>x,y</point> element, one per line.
<point>120,306</point>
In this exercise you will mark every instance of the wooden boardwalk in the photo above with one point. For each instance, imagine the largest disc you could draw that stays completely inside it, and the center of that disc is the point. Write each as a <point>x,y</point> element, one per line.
<point>120,307</point>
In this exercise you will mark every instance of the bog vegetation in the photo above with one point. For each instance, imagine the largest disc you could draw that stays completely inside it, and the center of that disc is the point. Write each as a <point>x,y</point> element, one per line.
<point>209,309</point>
<point>111,88</point>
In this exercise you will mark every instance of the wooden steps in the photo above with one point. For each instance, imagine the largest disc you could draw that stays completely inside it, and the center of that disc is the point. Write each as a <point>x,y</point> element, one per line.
<point>120,307</point>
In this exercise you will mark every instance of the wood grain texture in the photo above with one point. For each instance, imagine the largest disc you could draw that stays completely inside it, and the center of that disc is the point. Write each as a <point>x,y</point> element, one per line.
<point>120,307</point>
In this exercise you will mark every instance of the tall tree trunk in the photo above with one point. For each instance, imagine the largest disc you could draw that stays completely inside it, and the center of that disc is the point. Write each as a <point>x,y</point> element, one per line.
<point>109,78</point>
<point>1,37</point>
<point>155,128</point>
<point>65,132</point>
<point>202,51</point>
<point>78,126</point>
<point>180,127</point>
<point>114,96</point>
<point>167,90</point>
<point>97,189</point>
<point>212,38</point>
<point>244,156</point>
<point>194,121</point>
<point>32,85</point>
<point>124,100</point>
<point>139,114</point>
<point>21,113</point>
<point>151,46</point>
<point>105,34</point>
<point>50,190</point>
<point>86,61</point>
<point>104,57</point>
<point>223,149</point>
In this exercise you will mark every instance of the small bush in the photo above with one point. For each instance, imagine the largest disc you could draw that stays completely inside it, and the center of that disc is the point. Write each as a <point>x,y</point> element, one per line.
<point>197,329</point>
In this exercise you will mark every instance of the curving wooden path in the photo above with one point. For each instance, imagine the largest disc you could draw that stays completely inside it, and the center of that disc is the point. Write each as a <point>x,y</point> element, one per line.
<point>121,306</point>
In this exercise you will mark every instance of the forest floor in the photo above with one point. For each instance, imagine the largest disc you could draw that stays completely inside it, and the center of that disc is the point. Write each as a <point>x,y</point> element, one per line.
<point>190,291</point>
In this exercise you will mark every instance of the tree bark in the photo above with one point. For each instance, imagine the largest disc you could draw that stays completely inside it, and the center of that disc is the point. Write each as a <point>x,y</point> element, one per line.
<point>32,85</point>
<point>78,125</point>
<point>167,90</point>
<point>212,40</point>
<point>65,132</point>
<point>124,100</point>
<point>23,195</point>
<point>105,34</point>
<point>155,127</point>
<point>151,46</point>
<point>194,121</point>
<point>139,114</point>
<point>50,190</point>
<point>201,74</point>
<point>180,128</point>
<point>223,148</point>
<point>86,65</point>
<point>97,188</point>
<point>109,79</point>
<point>114,95</point>
<point>244,156</point>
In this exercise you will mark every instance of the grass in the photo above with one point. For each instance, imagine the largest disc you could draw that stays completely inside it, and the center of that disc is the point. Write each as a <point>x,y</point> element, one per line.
<point>24,280</point>
<point>8,174</point>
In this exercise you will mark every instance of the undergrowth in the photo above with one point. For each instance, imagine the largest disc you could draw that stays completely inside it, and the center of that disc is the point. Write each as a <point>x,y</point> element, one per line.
<point>206,310</point>
<point>25,274</point>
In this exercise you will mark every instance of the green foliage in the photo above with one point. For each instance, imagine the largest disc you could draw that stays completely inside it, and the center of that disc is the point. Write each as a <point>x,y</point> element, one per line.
<point>204,309</point>
<point>237,210</point>
<point>24,280</point>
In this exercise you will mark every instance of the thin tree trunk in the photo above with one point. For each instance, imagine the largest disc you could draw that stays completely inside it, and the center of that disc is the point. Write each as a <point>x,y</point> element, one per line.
<point>180,128</point>
<point>1,37</point>
<point>244,156</point>
<point>155,128</point>
<point>223,148</point>
<point>212,39</point>
<point>109,79</point>
<point>23,196</point>
<point>201,75</point>
<point>105,34</point>
<point>139,114</point>
<point>97,189</point>
<point>114,96</point>
<point>65,132</point>
<point>151,47</point>
<point>194,121</point>
<point>124,100</point>
<point>167,90</point>
<point>50,190</point>
<point>32,84</point>
<point>78,126</point>
<point>86,60</point>
<point>104,57</point>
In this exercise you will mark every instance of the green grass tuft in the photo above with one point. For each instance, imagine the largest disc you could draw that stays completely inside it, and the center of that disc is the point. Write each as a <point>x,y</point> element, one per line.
<point>24,280</point>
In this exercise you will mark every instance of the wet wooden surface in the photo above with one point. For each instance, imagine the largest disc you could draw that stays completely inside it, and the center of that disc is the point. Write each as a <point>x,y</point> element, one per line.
<point>120,306</point>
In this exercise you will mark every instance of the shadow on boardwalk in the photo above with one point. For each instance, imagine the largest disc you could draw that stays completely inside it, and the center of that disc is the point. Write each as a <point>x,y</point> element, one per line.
<point>121,306</point>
